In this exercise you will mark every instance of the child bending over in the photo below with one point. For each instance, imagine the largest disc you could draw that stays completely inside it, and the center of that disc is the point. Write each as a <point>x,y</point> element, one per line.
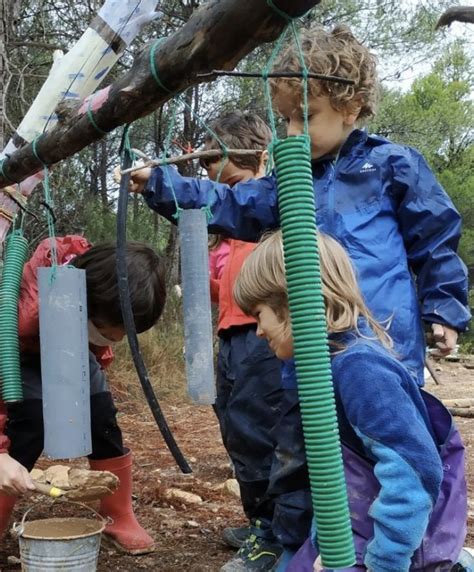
<point>403,457</point>
<point>22,444</point>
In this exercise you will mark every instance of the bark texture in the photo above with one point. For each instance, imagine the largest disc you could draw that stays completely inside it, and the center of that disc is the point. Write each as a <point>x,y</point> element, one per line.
<point>217,36</point>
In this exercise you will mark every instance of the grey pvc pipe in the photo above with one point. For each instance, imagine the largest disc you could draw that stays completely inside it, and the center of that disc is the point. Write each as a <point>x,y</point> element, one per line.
<point>199,354</point>
<point>65,369</point>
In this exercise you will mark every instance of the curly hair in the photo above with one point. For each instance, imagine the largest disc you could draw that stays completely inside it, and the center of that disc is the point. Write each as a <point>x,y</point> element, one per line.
<point>333,53</point>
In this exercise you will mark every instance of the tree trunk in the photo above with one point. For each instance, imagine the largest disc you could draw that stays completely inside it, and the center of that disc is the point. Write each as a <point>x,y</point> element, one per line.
<point>456,14</point>
<point>9,10</point>
<point>218,35</point>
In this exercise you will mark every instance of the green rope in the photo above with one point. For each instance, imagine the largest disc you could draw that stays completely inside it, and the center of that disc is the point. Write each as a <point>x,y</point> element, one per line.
<point>166,147</point>
<point>304,69</point>
<point>296,204</point>
<point>4,175</point>
<point>154,71</point>
<point>49,202</point>
<point>266,85</point>
<point>222,145</point>
<point>92,121</point>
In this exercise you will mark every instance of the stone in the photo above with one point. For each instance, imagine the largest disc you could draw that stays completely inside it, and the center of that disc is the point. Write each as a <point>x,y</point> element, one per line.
<point>231,488</point>
<point>182,496</point>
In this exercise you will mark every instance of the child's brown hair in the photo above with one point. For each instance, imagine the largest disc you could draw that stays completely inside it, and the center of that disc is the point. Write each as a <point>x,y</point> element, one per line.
<point>239,130</point>
<point>146,278</point>
<point>336,53</point>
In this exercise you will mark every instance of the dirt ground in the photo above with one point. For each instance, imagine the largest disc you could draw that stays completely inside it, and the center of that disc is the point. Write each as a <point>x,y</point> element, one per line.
<point>188,536</point>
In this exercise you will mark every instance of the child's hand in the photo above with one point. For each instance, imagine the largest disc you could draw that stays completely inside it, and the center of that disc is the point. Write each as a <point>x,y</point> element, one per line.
<point>14,478</point>
<point>445,339</point>
<point>318,566</point>
<point>139,179</point>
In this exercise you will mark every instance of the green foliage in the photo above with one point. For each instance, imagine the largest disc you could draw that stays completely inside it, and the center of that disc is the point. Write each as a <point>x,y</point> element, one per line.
<point>437,117</point>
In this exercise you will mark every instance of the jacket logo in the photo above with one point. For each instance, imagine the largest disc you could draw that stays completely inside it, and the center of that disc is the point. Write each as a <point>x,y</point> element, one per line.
<point>367,168</point>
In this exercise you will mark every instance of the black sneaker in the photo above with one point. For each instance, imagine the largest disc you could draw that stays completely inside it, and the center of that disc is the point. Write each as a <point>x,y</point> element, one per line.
<point>235,537</point>
<point>257,554</point>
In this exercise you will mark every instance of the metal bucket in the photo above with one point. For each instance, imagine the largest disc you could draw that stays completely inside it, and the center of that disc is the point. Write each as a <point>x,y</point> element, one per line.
<point>59,544</point>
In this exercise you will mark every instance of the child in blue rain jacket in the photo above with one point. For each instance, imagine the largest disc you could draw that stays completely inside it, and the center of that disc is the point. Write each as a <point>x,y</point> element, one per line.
<point>403,456</point>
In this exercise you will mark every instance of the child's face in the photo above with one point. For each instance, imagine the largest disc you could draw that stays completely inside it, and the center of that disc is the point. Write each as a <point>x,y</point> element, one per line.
<point>270,327</point>
<point>328,127</point>
<point>112,333</point>
<point>231,173</point>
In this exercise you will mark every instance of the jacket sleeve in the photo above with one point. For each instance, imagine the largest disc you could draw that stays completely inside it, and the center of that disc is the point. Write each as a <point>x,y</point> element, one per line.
<point>407,464</point>
<point>4,441</point>
<point>244,211</point>
<point>431,228</point>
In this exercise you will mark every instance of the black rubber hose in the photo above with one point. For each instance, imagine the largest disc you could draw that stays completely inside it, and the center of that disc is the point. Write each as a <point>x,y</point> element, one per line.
<point>129,322</point>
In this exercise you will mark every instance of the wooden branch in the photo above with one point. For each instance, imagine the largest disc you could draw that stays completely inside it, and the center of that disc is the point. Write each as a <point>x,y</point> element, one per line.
<point>456,14</point>
<point>208,154</point>
<point>40,45</point>
<point>433,374</point>
<point>462,411</point>
<point>217,36</point>
<point>461,402</point>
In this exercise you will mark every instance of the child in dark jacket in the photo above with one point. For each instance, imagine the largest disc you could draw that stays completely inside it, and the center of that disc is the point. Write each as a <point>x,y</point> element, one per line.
<point>403,457</point>
<point>248,373</point>
<point>23,443</point>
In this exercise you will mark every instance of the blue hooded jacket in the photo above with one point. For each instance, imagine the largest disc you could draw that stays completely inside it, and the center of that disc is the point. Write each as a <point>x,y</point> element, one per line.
<point>383,203</point>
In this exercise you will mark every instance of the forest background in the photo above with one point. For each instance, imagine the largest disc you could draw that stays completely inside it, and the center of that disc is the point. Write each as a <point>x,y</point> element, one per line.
<point>427,102</point>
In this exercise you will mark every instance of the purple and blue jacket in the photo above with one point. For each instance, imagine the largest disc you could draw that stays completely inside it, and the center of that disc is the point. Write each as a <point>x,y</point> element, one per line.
<point>403,461</point>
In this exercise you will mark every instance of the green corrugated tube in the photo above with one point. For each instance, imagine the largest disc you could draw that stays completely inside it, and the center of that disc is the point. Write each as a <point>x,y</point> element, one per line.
<point>10,371</point>
<point>313,366</point>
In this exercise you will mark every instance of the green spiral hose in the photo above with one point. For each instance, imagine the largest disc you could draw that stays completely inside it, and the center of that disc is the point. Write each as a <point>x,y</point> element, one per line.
<point>10,372</point>
<point>313,367</point>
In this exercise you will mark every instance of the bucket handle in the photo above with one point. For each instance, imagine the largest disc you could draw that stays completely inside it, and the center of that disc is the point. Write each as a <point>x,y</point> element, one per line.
<point>18,528</point>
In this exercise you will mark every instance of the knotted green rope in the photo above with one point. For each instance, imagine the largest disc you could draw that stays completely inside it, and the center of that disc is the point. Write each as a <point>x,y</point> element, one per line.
<point>92,120</point>
<point>296,204</point>
<point>50,205</point>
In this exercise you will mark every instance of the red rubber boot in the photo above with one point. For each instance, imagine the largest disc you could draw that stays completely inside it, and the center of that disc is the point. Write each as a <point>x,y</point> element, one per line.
<point>124,532</point>
<point>7,504</point>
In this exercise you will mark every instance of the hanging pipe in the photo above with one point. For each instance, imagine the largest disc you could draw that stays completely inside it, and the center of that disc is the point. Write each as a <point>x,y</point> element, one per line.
<point>10,370</point>
<point>199,354</point>
<point>313,366</point>
<point>129,322</point>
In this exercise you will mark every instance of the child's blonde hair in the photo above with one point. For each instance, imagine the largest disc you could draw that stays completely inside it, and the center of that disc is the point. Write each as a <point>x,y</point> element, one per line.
<point>336,53</point>
<point>262,281</point>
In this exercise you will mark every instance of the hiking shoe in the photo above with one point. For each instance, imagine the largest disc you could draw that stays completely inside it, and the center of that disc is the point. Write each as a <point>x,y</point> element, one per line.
<point>255,555</point>
<point>235,537</point>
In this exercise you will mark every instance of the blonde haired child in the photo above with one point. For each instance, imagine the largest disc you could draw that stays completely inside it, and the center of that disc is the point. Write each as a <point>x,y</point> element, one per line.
<point>403,457</point>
